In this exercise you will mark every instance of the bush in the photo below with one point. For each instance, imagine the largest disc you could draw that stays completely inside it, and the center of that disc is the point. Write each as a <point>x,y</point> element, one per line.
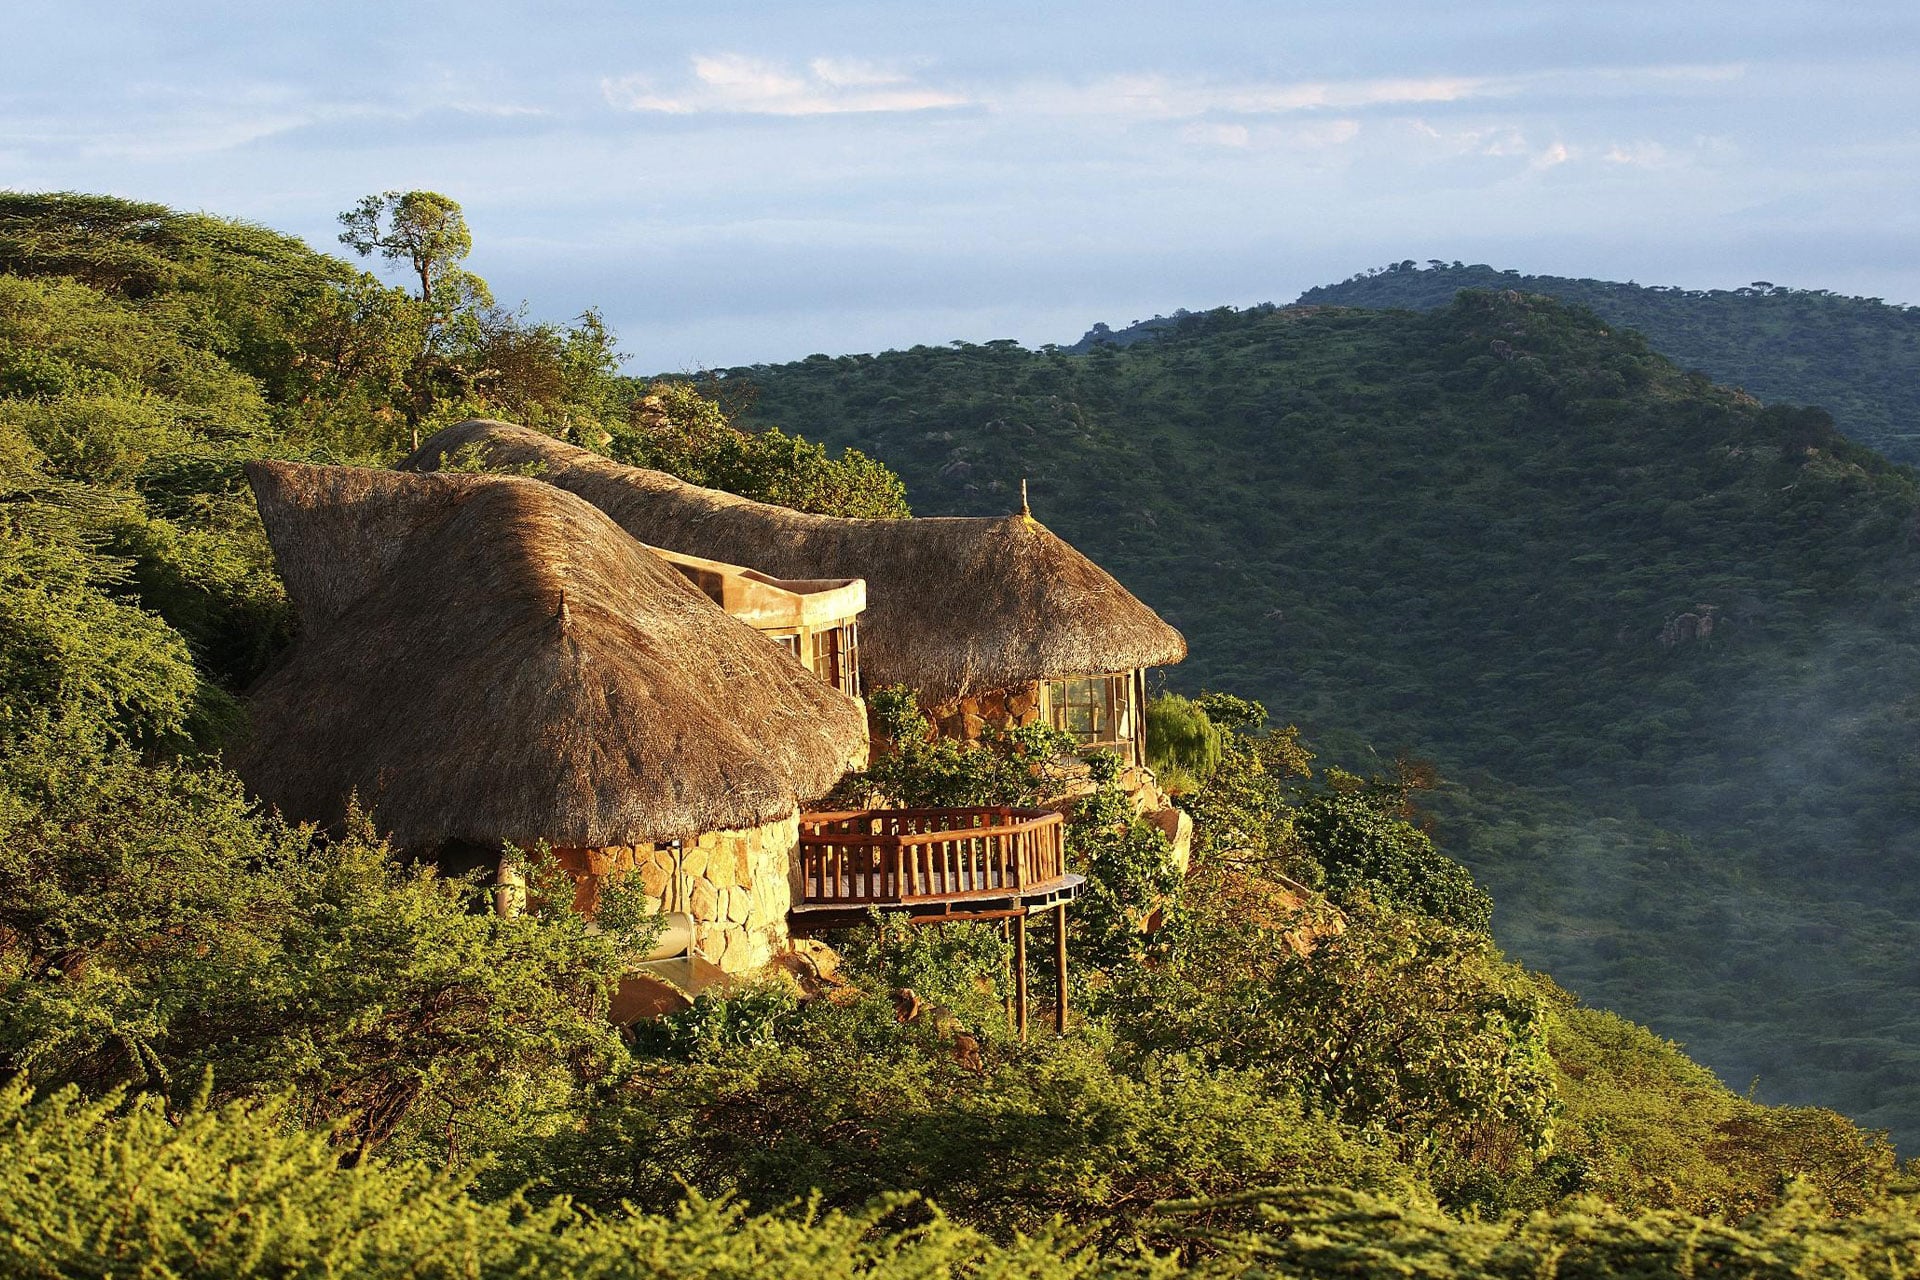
<point>1359,835</point>
<point>1183,745</point>
<point>153,929</point>
<point>673,428</point>
<point>1394,1023</point>
<point>1324,1233</point>
<point>102,1188</point>
<point>851,1104</point>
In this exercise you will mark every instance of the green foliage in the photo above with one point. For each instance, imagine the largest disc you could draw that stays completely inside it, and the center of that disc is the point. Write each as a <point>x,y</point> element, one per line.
<point>1243,816</point>
<point>914,768</point>
<point>1183,745</point>
<point>850,1104</point>
<point>1359,834</point>
<point>1644,1128</point>
<point>152,930</point>
<point>962,969</point>
<point>69,648</point>
<point>755,1015</point>
<point>423,231</point>
<point>1396,1024</point>
<point>93,1189</point>
<point>1129,867</point>
<point>674,428</point>
<point>1314,1233</point>
<point>1855,356</point>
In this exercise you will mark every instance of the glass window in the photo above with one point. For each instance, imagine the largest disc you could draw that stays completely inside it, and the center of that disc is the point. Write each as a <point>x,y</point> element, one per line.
<point>826,655</point>
<point>1092,708</point>
<point>850,659</point>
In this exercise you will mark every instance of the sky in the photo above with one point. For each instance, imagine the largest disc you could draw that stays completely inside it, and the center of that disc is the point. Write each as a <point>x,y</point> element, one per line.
<point>732,183</point>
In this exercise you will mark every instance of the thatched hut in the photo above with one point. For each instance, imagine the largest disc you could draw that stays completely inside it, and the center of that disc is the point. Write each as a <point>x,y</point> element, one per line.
<point>488,659</point>
<point>991,621</point>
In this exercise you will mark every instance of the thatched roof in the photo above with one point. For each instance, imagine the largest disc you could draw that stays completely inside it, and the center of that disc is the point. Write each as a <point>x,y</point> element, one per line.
<point>954,605</point>
<point>489,658</point>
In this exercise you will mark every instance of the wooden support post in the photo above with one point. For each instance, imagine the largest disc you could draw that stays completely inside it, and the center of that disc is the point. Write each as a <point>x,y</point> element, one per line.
<point>1020,976</point>
<point>1060,967</point>
<point>1006,936</point>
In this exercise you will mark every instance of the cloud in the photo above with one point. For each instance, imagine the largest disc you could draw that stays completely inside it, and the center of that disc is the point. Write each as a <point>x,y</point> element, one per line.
<point>852,73</point>
<point>740,84</point>
<point>1218,135</point>
<point>1151,96</point>
<point>1553,157</point>
<point>1351,94</point>
<point>731,83</point>
<point>1498,141</point>
<point>1647,155</point>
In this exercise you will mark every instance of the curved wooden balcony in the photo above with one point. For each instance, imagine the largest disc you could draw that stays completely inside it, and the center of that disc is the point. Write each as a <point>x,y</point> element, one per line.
<point>980,863</point>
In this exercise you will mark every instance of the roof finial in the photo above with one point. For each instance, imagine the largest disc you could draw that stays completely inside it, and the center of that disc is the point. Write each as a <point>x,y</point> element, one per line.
<point>1025,510</point>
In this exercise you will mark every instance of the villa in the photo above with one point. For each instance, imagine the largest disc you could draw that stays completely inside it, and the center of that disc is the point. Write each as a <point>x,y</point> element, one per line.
<point>656,680</point>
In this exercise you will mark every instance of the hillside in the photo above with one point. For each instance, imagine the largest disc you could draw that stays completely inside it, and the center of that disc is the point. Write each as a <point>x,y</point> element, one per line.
<point>229,1044</point>
<point>1857,357</point>
<point>1666,634</point>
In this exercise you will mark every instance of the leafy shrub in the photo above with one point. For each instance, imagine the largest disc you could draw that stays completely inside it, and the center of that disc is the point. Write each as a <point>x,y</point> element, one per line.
<point>674,428</point>
<point>1359,835</point>
<point>915,768</point>
<point>152,929</point>
<point>1395,1023</point>
<point>851,1104</point>
<point>1183,745</point>
<point>1648,1129</point>
<point>1243,816</point>
<point>1324,1233</point>
<point>99,1189</point>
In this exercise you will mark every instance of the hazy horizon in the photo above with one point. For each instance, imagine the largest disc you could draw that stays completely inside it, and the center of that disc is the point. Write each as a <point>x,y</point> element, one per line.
<point>733,183</point>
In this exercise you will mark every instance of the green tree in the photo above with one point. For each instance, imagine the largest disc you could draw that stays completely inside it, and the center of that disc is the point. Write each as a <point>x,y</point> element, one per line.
<point>427,233</point>
<point>674,428</point>
<point>1398,1024</point>
<point>1359,834</point>
<point>1183,744</point>
<point>422,230</point>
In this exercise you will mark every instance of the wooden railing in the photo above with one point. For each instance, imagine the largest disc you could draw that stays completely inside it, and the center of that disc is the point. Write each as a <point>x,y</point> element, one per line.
<point>920,855</point>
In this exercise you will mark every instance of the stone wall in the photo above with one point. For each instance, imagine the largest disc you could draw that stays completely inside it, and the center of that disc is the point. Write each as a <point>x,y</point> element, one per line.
<point>965,719</point>
<point>737,886</point>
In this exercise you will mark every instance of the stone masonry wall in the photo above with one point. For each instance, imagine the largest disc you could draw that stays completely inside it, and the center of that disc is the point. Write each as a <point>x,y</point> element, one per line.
<point>738,887</point>
<point>966,719</point>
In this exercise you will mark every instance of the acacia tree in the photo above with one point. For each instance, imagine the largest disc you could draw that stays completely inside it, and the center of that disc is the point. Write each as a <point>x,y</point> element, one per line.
<point>424,230</point>
<point>427,233</point>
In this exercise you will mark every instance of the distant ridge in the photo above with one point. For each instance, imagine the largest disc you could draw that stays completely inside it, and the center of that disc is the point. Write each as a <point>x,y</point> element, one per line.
<point>1143,330</point>
<point>1858,358</point>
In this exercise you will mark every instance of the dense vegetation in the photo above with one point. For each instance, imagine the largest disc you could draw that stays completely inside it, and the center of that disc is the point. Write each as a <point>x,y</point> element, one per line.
<point>1859,358</point>
<point>1664,635</point>
<point>230,1045</point>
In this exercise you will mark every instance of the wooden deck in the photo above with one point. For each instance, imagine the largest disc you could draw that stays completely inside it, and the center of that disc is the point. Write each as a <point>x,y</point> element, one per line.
<point>977,863</point>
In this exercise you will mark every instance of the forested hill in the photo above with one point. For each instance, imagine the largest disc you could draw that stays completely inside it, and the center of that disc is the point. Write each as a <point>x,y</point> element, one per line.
<point>1668,635</point>
<point>1858,357</point>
